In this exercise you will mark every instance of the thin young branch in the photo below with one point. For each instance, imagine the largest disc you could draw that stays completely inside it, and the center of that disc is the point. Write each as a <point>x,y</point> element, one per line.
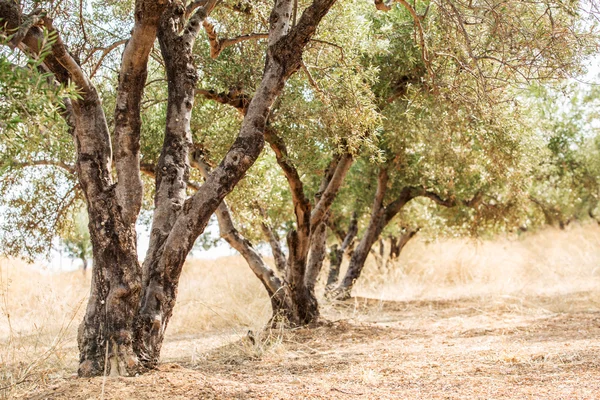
<point>410,192</point>
<point>52,163</point>
<point>81,23</point>
<point>337,46</point>
<point>383,5</point>
<point>417,21</point>
<point>311,80</point>
<point>274,241</point>
<point>105,52</point>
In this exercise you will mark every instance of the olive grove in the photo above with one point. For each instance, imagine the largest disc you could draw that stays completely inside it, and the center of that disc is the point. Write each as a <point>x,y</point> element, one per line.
<point>156,111</point>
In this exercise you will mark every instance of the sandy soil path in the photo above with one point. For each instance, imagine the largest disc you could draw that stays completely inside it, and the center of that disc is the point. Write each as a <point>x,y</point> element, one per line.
<point>475,348</point>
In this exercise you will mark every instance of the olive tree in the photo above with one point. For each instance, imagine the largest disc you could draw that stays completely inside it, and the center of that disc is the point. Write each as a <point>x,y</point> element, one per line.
<point>130,305</point>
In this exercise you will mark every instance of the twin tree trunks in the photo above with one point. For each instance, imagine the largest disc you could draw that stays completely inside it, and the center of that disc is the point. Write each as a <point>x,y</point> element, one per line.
<point>130,306</point>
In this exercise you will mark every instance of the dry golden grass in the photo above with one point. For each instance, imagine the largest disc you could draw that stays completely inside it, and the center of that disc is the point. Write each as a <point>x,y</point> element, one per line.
<point>39,314</point>
<point>458,317</point>
<point>547,262</point>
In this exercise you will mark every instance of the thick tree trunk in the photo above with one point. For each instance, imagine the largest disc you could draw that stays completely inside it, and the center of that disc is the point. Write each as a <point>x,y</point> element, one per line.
<point>105,335</point>
<point>172,172</point>
<point>283,59</point>
<point>107,328</point>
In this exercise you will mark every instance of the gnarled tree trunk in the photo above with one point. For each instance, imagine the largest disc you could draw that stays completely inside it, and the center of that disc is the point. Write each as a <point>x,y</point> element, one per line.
<point>381,216</point>
<point>164,266</point>
<point>105,335</point>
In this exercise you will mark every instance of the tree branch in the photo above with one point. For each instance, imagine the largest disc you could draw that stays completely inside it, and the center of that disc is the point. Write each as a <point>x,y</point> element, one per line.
<point>105,51</point>
<point>59,51</point>
<point>52,163</point>
<point>301,203</point>
<point>218,45</point>
<point>29,21</point>
<point>232,236</point>
<point>235,98</point>
<point>132,79</point>
<point>327,197</point>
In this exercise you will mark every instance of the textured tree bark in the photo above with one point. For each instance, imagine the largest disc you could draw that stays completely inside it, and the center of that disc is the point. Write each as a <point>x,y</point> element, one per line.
<point>176,35</point>
<point>164,267</point>
<point>112,207</point>
<point>113,210</point>
<point>318,245</point>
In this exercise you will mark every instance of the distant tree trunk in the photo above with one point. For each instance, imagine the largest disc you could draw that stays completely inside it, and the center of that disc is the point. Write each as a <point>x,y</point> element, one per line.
<point>311,228</point>
<point>335,263</point>
<point>318,246</point>
<point>276,250</point>
<point>553,216</point>
<point>394,248</point>
<point>336,255</point>
<point>380,216</point>
<point>85,263</point>
<point>376,224</point>
<point>397,244</point>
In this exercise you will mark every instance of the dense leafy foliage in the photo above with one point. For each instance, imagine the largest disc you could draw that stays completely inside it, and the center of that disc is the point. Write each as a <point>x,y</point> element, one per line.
<point>440,101</point>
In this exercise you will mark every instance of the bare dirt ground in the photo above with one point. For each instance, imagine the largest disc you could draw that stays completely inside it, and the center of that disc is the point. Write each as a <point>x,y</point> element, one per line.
<point>473,348</point>
<point>514,318</point>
